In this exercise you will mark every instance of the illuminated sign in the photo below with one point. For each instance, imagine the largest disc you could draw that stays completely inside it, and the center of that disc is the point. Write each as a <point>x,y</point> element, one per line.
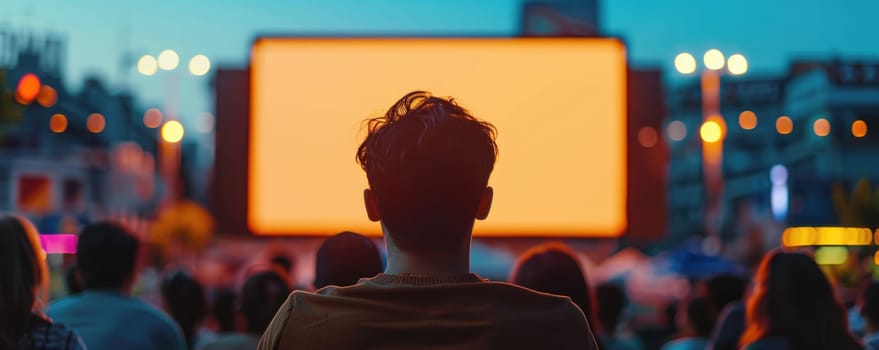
<point>559,105</point>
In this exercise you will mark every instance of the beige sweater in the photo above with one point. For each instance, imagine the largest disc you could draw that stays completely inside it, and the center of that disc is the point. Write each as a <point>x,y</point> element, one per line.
<point>413,312</point>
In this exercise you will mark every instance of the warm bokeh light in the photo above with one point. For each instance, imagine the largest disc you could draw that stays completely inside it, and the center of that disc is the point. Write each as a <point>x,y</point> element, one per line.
<point>711,131</point>
<point>685,63</point>
<point>147,65</point>
<point>647,137</point>
<point>821,127</point>
<point>199,65</point>
<point>152,118</point>
<point>876,258</point>
<point>821,236</point>
<point>28,88</point>
<point>748,120</point>
<point>859,128</point>
<point>95,123</point>
<point>294,80</point>
<point>676,130</point>
<point>48,97</point>
<point>713,59</point>
<point>831,255</point>
<point>58,123</point>
<point>205,123</point>
<point>784,125</point>
<point>172,131</point>
<point>737,64</point>
<point>168,60</point>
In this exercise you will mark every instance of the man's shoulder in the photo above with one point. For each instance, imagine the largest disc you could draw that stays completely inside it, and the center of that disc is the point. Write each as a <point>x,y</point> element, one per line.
<point>500,296</point>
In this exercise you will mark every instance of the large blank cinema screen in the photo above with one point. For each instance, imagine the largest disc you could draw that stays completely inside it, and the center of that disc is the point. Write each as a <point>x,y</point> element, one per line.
<point>558,105</point>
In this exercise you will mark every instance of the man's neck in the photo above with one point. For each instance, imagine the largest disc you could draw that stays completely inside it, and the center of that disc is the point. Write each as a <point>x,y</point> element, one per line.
<point>447,263</point>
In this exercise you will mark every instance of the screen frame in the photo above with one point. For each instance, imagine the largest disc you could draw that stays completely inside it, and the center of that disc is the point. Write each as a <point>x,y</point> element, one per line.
<point>626,140</point>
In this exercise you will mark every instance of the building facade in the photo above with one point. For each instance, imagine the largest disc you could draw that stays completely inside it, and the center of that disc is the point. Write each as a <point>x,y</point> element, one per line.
<point>67,157</point>
<point>775,174</point>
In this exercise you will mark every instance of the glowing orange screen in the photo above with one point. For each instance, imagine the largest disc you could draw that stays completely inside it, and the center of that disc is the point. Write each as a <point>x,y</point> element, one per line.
<point>558,105</point>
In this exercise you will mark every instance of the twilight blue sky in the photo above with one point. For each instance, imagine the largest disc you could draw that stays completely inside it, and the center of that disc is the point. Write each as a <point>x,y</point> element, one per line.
<point>101,32</point>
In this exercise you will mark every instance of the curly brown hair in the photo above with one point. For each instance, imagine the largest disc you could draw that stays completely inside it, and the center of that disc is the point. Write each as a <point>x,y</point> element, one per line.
<point>428,161</point>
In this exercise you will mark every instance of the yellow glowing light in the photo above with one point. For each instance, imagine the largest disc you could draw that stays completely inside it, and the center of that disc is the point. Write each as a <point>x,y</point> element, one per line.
<point>47,97</point>
<point>876,258</point>
<point>172,131</point>
<point>822,236</point>
<point>713,59</point>
<point>676,130</point>
<point>152,118</point>
<point>859,128</point>
<point>168,60</point>
<point>737,64</point>
<point>821,127</point>
<point>685,63</point>
<point>831,255</point>
<point>784,125</point>
<point>748,120</point>
<point>711,131</point>
<point>647,137</point>
<point>482,75</point>
<point>199,65</point>
<point>147,65</point>
<point>58,123</point>
<point>95,123</point>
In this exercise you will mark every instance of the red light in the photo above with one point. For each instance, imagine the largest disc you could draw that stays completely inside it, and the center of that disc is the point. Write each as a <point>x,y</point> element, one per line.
<point>28,88</point>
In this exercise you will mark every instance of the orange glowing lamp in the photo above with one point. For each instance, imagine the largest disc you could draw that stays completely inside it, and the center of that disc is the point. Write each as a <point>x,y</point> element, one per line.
<point>28,88</point>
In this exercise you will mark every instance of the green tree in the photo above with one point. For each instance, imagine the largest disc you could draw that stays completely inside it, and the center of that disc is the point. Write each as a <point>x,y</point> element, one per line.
<point>10,110</point>
<point>860,208</point>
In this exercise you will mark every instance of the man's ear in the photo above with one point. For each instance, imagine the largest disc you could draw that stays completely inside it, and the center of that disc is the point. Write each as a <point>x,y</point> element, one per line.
<point>485,203</point>
<point>371,206</point>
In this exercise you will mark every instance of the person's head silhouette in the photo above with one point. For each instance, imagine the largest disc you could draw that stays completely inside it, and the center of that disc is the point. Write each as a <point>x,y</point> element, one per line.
<point>794,302</point>
<point>427,161</point>
<point>344,259</point>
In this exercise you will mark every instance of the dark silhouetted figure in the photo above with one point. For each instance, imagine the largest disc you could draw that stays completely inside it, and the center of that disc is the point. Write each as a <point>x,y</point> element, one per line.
<point>428,161</point>
<point>793,307</point>
<point>611,302</point>
<point>344,259</point>
<point>263,293</point>
<point>72,281</point>
<point>725,293</point>
<point>697,327</point>
<point>870,312</point>
<point>104,313</point>
<point>284,266</point>
<point>224,310</point>
<point>184,300</point>
<point>554,268</point>
<point>24,279</point>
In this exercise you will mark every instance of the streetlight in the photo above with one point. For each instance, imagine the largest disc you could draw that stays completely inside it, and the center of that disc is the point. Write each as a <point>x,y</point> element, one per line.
<point>147,65</point>
<point>685,63</point>
<point>168,60</point>
<point>172,131</point>
<point>199,65</point>
<point>713,130</point>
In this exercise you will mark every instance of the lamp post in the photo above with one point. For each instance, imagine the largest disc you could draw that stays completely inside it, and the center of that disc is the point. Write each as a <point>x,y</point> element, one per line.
<point>171,132</point>
<point>712,132</point>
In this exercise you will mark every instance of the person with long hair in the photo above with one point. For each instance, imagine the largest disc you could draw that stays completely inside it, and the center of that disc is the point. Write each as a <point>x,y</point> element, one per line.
<point>25,278</point>
<point>793,306</point>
